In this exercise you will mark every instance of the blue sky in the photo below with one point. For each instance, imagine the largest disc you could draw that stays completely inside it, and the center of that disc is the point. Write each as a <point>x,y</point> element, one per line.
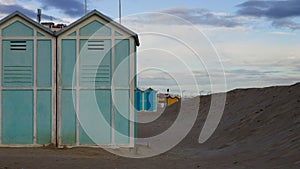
<point>257,42</point>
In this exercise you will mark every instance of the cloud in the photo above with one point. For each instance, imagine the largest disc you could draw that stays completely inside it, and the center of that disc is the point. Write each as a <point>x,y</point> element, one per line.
<point>8,9</point>
<point>7,2</point>
<point>271,9</point>
<point>286,23</point>
<point>281,13</point>
<point>282,33</point>
<point>72,8</point>
<point>187,16</point>
<point>203,17</point>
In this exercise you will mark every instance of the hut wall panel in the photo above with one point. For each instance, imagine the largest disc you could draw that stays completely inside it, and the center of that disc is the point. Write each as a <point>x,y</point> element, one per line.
<point>17,63</point>
<point>95,117</point>
<point>95,63</point>
<point>44,63</point>
<point>68,117</point>
<point>13,30</point>
<point>122,60</point>
<point>68,62</point>
<point>95,28</point>
<point>44,116</point>
<point>121,118</point>
<point>17,117</point>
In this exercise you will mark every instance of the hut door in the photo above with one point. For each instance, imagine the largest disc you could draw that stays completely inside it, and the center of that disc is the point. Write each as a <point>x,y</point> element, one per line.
<point>85,92</point>
<point>95,92</point>
<point>17,92</point>
<point>27,93</point>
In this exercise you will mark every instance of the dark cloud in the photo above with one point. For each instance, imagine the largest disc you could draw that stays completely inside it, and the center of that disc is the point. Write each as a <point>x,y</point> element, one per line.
<point>8,9</point>
<point>286,23</point>
<point>72,8</point>
<point>270,9</point>
<point>203,17</point>
<point>280,13</point>
<point>187,16</point>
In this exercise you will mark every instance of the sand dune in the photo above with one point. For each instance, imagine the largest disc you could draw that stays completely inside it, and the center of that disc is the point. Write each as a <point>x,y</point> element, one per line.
<point>260,129</point>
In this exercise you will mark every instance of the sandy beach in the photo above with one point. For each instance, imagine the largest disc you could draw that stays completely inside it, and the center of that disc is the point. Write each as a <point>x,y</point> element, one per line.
<point>259,129</point>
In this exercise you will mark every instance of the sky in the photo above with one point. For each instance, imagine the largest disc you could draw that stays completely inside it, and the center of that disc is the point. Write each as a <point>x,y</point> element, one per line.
<point>199,46</point>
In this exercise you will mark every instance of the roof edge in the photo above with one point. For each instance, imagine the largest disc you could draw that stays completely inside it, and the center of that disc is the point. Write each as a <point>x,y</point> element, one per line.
<point>26,18</point>
<point>57,33</point>
<point>106,18</point>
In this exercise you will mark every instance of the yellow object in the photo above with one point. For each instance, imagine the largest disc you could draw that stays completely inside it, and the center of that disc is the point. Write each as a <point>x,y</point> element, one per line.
<point>172,100</point>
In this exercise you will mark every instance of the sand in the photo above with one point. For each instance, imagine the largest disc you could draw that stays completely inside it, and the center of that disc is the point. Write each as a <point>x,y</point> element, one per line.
<point>260,129</point>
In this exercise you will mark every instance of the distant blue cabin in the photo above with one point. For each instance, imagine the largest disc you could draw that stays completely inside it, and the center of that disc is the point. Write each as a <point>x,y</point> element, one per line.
<point>145,100</point>
<point>138,99</point>
<point>73,87</point>
<point>150,100</point>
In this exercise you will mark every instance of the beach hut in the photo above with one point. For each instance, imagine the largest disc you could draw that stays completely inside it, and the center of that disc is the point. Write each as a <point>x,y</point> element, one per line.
<point>96,82</point>
<point>28,91</point>
<point>138,99</point>
<point>68,87</point>
<point>150,100</point>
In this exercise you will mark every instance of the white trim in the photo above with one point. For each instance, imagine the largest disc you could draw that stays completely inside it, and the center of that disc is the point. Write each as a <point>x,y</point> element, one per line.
<point>1,85</point>
<point>58,99</point>
<point>105,146</point>
<point>131,104</point>
<point>25,88</point>
<point>23,145</point>
<point>113,56</point>
<point>95,37</point>
<point>25,37</point>
<point>89,20</point>
<point>100,87</point>
<point>19,38</point>
<point>77,75</point>
<point>34,86</point>
<point>54,103</point>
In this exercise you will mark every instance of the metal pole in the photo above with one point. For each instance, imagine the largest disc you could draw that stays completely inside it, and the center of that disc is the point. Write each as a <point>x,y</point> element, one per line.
<point>120,12</point>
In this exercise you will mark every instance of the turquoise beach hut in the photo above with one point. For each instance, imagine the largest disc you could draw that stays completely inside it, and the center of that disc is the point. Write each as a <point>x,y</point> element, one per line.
<point>27,93</point>
<point>72,87</point>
